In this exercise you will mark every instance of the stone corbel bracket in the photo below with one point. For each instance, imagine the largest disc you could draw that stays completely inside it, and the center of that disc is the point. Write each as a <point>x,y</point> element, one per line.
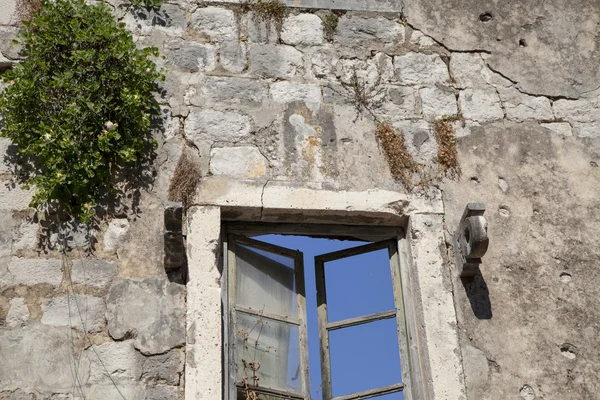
<point>471,240</point>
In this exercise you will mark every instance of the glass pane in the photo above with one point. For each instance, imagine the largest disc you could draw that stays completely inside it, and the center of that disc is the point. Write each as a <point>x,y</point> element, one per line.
<point>364,357</point>
<point>265,281</point>
<point>267,353</point>
<point>359,285</point>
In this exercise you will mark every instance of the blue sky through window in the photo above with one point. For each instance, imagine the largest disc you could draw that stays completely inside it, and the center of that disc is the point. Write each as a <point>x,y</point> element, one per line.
<point>362,357</point>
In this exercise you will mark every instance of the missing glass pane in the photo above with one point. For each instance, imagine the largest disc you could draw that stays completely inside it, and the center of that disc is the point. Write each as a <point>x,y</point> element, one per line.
<point>364,357</point>
<point>359,285</point>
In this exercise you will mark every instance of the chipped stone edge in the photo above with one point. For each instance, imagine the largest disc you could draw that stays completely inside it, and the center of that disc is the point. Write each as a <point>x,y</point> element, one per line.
<point>218,199</point>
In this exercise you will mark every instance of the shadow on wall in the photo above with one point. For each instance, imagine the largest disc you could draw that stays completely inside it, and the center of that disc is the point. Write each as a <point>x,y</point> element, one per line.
<point>479,295</point>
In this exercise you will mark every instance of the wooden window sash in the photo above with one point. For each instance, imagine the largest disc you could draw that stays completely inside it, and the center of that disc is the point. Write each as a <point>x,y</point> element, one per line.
<point>232,308</point>
<point>324,326</point>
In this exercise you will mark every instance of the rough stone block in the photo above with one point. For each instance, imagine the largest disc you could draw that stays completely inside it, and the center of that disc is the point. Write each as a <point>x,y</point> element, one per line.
<point>588,130</point>
<point>286,92</point>
<point>93,272</point>
<point>302,30</point>
<point>520,107</point>
<point>363,31</point>
<point>437,102</point>
<point>215,22</point>
<point>8,12</point>
<point>124,390</point>
<point>116,231</point>
<point>14,198</point>
<point>261,32</point>
<point>276,61</point>
<point>422,69</point>
<point>78,311</point>
<point>476,367</point>
<point>5,144</point>
<point>233,56</point>
<point>18,313</point>
<point>169,18</point>
<point>8,48</point>
<point>21,395</point>
<point>334,93</point>
<point>5,63</point>
<point>119,359</point>
<point>232,90</point>
<point>244,162</point>
<point>190,56</point>
<point>419,138</point>
<point>162,393</point>
<point>366,73</point>
<point>321,63</point>
<point>40,358</point>
<point>480,105</point>
<point>163,368</point>
<point>152,310</point>
<point>370,73</point>
<point>400,101</point>
<point>583,110</point>
<point>76,235</point>
<point>469,70</point>
<point>560,128</point>
<point>417,38</point>
<point>214,125</point>
<point>384,65</point>
<point>26,235</point>
<point>22,271</point>
<point>7,226</point>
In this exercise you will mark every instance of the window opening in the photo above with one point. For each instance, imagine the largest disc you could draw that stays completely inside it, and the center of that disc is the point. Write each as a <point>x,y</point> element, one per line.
<point>295,297</point>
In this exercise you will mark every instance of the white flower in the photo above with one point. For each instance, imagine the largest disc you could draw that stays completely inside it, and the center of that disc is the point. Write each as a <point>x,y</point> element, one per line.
<point>110,126</point>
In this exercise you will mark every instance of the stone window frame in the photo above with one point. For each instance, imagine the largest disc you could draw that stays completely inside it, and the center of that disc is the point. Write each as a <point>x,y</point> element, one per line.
<point>432,328</point>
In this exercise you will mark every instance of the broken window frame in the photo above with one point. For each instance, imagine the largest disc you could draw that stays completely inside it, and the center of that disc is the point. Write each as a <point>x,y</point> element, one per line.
<point>394,237</point>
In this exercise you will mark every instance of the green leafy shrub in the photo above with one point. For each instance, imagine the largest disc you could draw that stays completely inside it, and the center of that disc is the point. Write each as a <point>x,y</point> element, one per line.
<point>80,105</point>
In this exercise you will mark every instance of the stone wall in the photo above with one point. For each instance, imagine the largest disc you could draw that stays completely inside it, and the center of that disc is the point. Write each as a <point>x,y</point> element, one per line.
<point>251,103</point>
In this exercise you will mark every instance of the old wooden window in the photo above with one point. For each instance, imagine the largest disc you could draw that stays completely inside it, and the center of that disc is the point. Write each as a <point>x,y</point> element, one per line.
<point>267,308</point>
<point>267,350</point>
<point>327,325</point>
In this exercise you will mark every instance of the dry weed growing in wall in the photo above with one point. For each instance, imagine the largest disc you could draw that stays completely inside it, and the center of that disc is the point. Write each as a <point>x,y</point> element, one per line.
<point>447,156</point>
<point>402,164</point>
<point>184,181</point>
<point>26,8</point>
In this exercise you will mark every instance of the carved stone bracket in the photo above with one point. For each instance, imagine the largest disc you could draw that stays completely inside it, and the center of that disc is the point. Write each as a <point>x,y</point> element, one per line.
<point>471,240</point>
